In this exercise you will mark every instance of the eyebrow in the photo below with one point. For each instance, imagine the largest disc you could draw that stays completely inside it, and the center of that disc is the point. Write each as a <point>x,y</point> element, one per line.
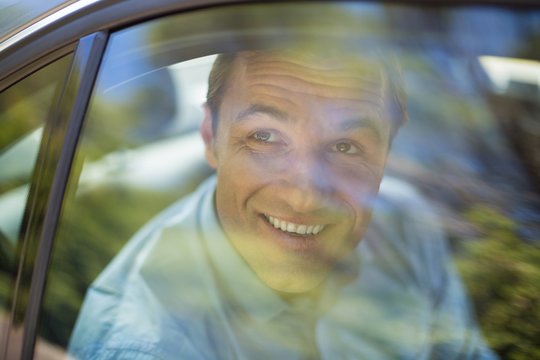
<point>271,111</point>
<point>361,123</point>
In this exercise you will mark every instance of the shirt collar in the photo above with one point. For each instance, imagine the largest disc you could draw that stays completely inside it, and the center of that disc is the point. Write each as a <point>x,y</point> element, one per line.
<point>240,281</point>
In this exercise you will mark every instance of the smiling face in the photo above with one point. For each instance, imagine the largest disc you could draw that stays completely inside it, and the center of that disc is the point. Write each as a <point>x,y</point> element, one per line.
<point>299,150</point>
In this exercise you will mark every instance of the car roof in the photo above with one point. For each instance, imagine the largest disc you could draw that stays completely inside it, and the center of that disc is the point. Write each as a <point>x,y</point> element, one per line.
<point>16,15</point>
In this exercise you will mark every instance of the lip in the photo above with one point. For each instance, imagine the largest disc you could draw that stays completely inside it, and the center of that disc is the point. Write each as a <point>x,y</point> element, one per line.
<point>295,228</point>
<point>307,243</point>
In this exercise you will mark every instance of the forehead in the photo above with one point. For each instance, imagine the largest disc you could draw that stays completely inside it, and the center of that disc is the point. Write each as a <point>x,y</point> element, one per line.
<point>337,80</point>
<point>331,62</point>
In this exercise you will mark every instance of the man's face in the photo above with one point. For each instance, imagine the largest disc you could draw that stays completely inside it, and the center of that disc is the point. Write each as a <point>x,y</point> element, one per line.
<point>299,150</point>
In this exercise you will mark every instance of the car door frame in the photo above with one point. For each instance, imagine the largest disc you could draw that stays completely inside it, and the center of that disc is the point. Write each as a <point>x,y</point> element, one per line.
<point>82,29</point>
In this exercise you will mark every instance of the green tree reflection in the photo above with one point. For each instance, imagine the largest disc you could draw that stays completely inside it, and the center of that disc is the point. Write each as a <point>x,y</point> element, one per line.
<point>502,274</point>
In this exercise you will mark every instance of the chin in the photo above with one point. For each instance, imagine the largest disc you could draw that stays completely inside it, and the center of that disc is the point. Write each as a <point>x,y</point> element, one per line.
<point>294,283</point>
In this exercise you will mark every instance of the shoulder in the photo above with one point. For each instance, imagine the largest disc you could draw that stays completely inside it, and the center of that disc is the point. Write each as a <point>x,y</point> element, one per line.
<point>401,197</point>
<point>403,209</point>
<point>406,237</point>
<point>180,217</point>
<point>137,350</point>
<point>124,309</point>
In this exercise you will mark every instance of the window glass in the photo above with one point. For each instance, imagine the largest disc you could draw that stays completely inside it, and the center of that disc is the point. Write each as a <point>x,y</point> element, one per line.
<point>17,13</point>
<point>24,108</point>
<point>358,180</point>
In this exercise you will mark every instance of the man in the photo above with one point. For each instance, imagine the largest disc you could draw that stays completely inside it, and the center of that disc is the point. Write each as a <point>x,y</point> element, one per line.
<point>263,260</point>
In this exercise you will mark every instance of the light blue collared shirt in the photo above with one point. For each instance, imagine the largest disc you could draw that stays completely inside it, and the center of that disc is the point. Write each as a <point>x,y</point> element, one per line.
<point>180,290</point>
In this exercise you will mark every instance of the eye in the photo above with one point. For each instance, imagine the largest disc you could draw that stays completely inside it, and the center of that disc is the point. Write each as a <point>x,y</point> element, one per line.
<point>346,147</point>
<point>265,136</point>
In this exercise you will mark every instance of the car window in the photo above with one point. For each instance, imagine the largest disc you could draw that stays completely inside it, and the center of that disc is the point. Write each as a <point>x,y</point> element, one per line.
<point>24,108</point>
<point>265,216</point>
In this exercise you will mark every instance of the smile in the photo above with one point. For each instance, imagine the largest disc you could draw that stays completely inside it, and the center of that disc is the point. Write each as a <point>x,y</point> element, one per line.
<point>300,229</point>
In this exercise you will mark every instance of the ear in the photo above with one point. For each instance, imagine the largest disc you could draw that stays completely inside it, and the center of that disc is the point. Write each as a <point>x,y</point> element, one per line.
<point>208,137</point>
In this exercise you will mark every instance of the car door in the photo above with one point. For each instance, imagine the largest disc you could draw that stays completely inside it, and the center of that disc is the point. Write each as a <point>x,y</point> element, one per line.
<point>124,145</point>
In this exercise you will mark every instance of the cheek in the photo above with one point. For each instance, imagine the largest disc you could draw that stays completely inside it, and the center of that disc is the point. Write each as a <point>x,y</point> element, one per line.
<point>239,180</point>
<point>360,185</point>
<point>243,173</point>
<point>358,189</point>
<point>250,171</point>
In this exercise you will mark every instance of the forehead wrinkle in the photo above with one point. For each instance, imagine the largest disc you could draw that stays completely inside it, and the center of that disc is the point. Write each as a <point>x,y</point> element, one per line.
<point>362,122</point>
<point>294,82</point>
<point>253,67</point>
<point>293,59</point>
<point>277,101</point>
<point>313,60</point>
<point>374,99</point>
<point>338,75</point>
<point>311,65</point>
<point>256,108</point>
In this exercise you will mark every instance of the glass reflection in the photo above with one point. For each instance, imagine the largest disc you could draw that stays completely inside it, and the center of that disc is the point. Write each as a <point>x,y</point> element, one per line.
<point>24,108</point>
<point>452,187</point>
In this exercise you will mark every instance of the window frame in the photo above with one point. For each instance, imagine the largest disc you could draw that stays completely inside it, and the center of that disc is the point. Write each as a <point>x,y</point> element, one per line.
<point>47,189</point>
<point>23,249</point>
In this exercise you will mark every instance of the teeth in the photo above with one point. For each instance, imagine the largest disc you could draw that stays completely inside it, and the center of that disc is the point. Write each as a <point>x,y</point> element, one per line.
<point>294,228</point>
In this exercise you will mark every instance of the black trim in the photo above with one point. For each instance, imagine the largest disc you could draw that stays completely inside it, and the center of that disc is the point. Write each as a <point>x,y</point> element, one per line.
<point>114,14</point>
<point>32,222</point>
<point>70,118</point>
<point>35,66</point>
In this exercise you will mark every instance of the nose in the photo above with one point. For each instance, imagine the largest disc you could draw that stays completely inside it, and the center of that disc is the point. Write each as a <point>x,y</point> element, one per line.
<point>308,183</point>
